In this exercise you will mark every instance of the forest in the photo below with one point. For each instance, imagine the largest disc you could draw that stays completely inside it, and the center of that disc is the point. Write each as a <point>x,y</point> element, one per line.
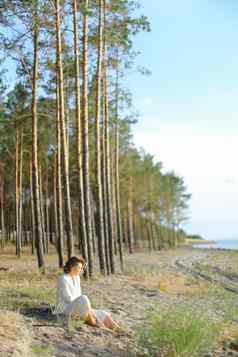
<point>80,199</point>
<point>71,178</point>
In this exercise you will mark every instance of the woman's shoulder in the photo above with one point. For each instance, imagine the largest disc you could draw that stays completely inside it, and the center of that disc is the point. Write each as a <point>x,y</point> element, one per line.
<point>63,277</point>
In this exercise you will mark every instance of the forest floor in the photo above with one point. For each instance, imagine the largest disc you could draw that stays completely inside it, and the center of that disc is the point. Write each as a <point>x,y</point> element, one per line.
<point>152,282</point>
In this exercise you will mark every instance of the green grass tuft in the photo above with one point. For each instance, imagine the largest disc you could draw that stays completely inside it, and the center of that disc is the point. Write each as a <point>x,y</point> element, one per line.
<point>180,332</point>
<point>41,350</point>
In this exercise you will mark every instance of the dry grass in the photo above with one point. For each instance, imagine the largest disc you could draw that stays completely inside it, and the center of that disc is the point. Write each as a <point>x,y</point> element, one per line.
<point>172,283</point>
<point>26,289</point>
<point>14,336</point>
<point>179,284</point>
<point>169,282</point>
<point>230,332</point>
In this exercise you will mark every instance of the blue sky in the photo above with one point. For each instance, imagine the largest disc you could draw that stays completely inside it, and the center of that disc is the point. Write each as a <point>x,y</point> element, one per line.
<point>189,106</point>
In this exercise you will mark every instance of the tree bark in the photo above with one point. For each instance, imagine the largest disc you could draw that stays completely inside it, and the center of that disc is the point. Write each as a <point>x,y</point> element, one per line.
<point>3,231</point>
<point>32,213</point>
<point>88,213</point>
<point>117,178</point>
<point>18,242</point>
<point>20,189</point>
<point>82,231</point>
<point>111,233</point>
<point>55,210</point>
<point>35,178</point>
<point>59,212</point>
<point>46,201</point>
<point>99,197</point>
<point>68,214</point>
<point>130,216</point>
<point>42,211</point>
<point>105,203</point>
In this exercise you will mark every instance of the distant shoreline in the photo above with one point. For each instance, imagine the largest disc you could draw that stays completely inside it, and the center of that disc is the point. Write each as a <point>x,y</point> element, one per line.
<point>212,244</point>
<point>200,241</point>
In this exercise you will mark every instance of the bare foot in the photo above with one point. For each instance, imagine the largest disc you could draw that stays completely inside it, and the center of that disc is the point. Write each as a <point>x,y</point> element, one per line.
<point>91,320</point>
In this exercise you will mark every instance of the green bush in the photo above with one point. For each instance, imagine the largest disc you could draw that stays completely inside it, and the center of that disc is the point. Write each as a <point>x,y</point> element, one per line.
<point>180,332</point>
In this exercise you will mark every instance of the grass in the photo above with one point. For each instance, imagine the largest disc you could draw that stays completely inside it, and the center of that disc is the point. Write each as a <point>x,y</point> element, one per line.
<point>14,335</point>
<point>224,302</point>
<point>8,325</point>
<point>18,298</point>
<point>140,272</point>
<point>167,282</point>
<point>76,324</point>
<point>179,284</point>
<point>42,350</point>
<point>180,332</point>
<point>27,289</point>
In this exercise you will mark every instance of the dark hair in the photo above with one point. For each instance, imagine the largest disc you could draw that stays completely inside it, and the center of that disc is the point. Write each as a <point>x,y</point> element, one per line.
<point>72,262</point>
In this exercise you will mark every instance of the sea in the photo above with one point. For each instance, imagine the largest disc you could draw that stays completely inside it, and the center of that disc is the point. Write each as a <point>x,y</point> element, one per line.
<point>231,244</point>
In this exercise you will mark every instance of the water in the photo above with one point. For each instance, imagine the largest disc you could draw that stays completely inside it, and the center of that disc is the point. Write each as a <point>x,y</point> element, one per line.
<point>225,244</point>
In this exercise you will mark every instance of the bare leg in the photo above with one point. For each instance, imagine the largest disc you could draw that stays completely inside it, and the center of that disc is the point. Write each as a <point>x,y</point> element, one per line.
<point>111,324</point>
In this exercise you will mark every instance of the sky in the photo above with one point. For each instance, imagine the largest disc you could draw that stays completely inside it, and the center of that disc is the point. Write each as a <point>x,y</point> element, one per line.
<point>189,105</point>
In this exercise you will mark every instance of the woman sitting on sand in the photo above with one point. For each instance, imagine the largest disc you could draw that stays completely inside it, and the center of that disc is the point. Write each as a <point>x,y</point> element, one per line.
<point>70,299</point>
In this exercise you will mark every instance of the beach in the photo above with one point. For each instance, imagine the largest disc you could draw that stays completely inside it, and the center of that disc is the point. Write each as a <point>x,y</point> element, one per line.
<point>206,279</point>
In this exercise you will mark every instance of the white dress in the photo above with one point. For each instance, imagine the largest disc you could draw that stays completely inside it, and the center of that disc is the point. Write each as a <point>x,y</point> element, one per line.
<point>70,300</point>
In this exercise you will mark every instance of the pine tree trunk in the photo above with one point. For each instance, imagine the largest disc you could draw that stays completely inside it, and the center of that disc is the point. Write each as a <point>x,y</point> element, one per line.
<point>20,188</point>
<point>99,197</point>
<point>130,217</point>
<point>114,221</point>
<point>51,220</point>
<point>111,233</point>
<point>3,232</point>
<point>18,242</point>
<point>93,224</point>
<point>47,218</point>
<point>68,214</point>
<point>152,236</point>
<point>136,229</point>
<point>117,178</point>
<point>149,236</point>
<point>56,229</point>
<point>125,229</point>
<point>8,225</point>
<point>158,233</point>
<point>82,231</point>
<point>25,220</point>
<point>59,211</point>
<point>42,211</point>
<point>32,213</point>
<point>35,178</point>
<point>105,203</point>
<point>88,213</point>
